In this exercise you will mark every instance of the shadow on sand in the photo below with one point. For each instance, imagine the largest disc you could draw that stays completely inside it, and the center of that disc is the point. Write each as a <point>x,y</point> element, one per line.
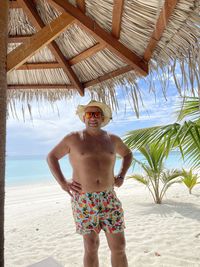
<point>185,209</point>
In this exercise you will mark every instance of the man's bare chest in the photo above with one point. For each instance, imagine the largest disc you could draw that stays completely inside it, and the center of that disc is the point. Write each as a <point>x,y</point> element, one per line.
<point>94,147</point>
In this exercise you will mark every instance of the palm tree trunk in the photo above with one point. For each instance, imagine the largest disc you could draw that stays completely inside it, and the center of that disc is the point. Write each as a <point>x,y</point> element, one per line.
<point>157,194</point>
<point>3,87</point>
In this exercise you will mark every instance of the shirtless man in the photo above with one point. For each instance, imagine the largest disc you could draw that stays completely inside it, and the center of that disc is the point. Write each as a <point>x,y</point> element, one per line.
<point>92,153</point>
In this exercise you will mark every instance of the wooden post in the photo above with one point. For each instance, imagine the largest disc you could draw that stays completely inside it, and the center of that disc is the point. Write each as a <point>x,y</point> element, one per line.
<point>3,87</point>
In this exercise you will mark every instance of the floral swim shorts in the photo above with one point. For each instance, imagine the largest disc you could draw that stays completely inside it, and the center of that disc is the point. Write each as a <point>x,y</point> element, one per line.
<point>97,210</point>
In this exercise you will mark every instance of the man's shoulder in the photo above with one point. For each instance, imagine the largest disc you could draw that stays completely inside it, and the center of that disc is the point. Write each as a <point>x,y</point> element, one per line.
<point>73,135</point>
<point>114,137</point>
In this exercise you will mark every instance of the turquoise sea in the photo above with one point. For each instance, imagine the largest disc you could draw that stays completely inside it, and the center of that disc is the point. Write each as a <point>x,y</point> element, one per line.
<point>22,170</point>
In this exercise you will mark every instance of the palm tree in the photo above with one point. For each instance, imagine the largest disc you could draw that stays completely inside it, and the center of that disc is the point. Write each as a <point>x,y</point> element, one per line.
<point>155,177</point>
<point>190,179</point>
<point>185,136</point>
<point>3,87</point>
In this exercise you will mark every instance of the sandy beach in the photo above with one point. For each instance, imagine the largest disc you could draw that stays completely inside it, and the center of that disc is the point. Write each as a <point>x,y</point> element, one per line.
<point>39,224</point>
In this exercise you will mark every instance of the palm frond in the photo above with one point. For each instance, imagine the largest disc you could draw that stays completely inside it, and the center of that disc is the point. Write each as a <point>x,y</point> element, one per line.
<point>190,108</point>
<point>191,144</point>
<point>138,177</point>
<point>169,175</point>
<point>189,178</point>
<point>186,137</point>
<point>139,138</point>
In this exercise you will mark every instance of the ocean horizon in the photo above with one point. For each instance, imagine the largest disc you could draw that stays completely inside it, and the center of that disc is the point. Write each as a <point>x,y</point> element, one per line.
<point>33,169</point>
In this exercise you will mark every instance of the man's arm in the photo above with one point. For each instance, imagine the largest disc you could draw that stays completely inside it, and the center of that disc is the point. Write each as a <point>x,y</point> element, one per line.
<point>127,156</point>
<point>53,158</point>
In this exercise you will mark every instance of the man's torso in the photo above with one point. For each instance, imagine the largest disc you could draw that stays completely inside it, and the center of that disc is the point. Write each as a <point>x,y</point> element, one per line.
<point>92,159</point>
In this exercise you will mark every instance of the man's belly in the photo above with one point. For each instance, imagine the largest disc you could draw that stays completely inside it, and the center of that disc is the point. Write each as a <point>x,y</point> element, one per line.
<point>94,173</point>
<point>94,182</point>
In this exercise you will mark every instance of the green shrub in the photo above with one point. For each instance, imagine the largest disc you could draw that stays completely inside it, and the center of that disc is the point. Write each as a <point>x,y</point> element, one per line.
<point>155,177</point>
<point>190,179</point>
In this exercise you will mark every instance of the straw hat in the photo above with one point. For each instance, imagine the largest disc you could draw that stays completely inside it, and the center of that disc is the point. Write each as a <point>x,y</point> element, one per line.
<point>107,113</point>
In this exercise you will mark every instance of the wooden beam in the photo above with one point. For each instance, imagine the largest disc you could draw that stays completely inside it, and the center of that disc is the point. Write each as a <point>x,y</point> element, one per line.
<point>82,56</point>
<point>87,84</point>
<point>87,53</point>
<point>108,76</point>
<point>120,50</point>
<point>14,4</point>
<point>39,86</point>
<point>3,115</point>
<point>25,51</point>
<point>103,78</point>
<point>18,38</point>
<point>39,65</point>
<point>66,86</point>
<point>55,65</point>
<point>31,11</point>
<point>161,25</point>
<point>117,17</point>
<point>81,5</point>
<point>104,37</point>
<point>66,67</point>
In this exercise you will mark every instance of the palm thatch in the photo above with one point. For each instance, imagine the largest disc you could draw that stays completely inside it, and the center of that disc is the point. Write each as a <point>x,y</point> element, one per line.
<point>97,66</point>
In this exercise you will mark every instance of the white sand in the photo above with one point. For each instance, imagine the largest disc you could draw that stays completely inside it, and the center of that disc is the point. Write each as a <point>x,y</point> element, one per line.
<point>39,225</point>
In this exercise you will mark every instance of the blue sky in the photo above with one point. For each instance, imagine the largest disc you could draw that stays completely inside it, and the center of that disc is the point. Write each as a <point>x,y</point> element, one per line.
<point>40,135</point>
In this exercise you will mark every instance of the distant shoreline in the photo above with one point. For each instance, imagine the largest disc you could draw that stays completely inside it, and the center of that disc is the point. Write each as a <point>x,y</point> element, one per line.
<point>33,169</point>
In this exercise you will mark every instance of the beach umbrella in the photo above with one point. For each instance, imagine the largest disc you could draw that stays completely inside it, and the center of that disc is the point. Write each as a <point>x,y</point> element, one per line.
<point>58,49</point>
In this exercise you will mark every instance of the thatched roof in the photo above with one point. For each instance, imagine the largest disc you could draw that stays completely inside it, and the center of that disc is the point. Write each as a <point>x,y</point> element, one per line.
<point>60,48</point>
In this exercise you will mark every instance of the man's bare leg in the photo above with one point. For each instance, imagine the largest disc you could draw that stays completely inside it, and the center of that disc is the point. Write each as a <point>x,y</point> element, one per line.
<point>91,245</point>
<point>117,244</point>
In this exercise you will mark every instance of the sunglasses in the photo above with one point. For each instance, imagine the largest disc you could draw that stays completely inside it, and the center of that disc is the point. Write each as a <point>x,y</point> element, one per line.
<point>96,114</point>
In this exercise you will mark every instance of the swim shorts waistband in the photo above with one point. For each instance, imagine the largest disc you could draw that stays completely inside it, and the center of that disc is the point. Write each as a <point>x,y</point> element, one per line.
<point>111,189</point>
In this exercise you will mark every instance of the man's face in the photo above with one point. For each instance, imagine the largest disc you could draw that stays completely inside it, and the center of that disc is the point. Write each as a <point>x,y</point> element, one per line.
<point>93,117</point>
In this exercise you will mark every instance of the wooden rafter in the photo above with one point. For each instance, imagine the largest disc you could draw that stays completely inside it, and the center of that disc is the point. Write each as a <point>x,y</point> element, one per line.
<point>26,50</point>
<point>117,17</point>
<point>18,38</point>
<point>161,24</point>
<point>51,65</point>
<point>87,53</point>
<point>108,76</point>
<point>66,86</point>
<point>104,37</point>
<point>81,5</point>
<point>40,86</point>
<point>35,19</point>
<point>41,65</point>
